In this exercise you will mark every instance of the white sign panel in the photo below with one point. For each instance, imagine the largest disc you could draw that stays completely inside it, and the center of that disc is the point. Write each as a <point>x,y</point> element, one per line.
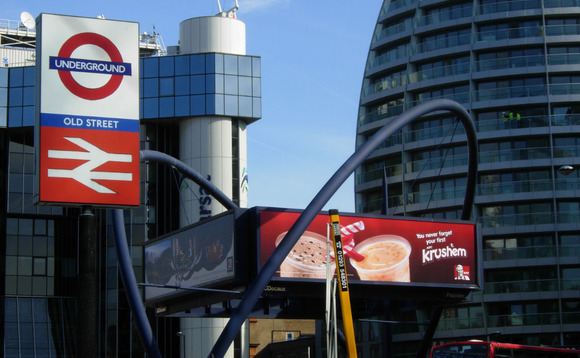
<point>88,126</point>
<point>90,67</point>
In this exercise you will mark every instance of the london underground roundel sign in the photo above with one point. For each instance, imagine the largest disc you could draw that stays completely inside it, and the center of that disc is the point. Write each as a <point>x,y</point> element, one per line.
<point>65,64</point>
<point>89,38</point>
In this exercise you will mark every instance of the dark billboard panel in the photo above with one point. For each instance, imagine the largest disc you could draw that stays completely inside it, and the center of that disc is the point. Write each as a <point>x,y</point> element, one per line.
<point>378,249</point>
<point>195,256</point>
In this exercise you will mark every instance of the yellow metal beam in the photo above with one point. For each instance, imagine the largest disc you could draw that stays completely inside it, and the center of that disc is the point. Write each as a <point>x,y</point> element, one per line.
<point>343,284</point>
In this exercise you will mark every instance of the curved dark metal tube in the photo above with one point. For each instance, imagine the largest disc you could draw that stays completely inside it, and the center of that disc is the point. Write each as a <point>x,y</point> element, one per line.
<point>156,156</point>
<point>328,190</point>
<point>130,284</point>
<point>124,257</point>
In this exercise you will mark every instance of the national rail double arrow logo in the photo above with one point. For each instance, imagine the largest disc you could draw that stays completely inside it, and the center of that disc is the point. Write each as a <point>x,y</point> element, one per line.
<point>84,173</point>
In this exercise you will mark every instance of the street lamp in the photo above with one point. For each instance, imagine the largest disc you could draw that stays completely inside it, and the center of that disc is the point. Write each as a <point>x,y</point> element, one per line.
<point>566,169</point>
<point>180,334</point>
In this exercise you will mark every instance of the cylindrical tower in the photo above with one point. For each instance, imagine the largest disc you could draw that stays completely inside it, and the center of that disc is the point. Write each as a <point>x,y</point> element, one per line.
<point>212,34</point>
<point>215,145</point>
<point>214,142</point>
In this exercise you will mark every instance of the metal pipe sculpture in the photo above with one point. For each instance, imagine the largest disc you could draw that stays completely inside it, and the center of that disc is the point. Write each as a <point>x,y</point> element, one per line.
<point>267,272</point>
<point>124,257</point>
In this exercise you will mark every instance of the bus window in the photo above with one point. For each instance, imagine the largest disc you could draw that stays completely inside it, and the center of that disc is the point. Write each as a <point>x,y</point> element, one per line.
<point>461,351</point>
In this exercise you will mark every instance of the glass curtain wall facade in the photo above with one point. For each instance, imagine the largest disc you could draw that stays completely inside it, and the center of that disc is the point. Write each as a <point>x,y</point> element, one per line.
<point>38,244</point>
<point>514,65</point>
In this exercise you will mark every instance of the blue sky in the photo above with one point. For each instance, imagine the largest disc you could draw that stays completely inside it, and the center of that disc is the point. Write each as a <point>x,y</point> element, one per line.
<point>313,57</point>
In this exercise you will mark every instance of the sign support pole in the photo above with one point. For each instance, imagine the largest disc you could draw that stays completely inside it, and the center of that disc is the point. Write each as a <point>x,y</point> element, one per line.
<point>343,284</point>
<point>88,287</point>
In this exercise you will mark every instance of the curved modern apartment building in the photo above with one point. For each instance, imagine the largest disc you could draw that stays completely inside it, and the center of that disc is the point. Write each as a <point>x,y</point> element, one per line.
<point>515,66</point>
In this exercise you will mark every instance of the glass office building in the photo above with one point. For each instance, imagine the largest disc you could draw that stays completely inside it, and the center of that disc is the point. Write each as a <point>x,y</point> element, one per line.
<point>38,244</point>
<point>514,65</point>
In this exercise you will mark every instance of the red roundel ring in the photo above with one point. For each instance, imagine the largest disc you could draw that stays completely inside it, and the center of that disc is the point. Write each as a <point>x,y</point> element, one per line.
<point>90,38</point>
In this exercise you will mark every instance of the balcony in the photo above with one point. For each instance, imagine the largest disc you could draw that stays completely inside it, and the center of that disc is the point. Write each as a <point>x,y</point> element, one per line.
<point>566,89</point>
<point>560,30</point>
<point>565,119</point>
<point>374,116</point>
<point>518,253</point>
<point>439,72</point>
<point>507,63</point>
<point>510,92</point>
<point>523,122</point>
<point>377,174</point>
<point>388,83</point>
<point>508,6</point>
<point>418,98</point>
<point>510,34</point>
<point>393,30</point>
<point>433,132</point>
<point>522,186</point>
<point>564,59</point>
<point>443,16</point>
<point>418,197</point>
<point>446,324</point>
<point>538,218</point>
<point>432,44</point>
<point>436,163</point>
<point>561,3</point>
<point>523,319</point>
<point>521,286</point>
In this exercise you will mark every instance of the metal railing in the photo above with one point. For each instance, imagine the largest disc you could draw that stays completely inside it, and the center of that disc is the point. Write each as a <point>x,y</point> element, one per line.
<point>436,163</point>
<point>510,62</point>
<point>446,324</point>
<point>561,3</point>
<point>425,196</point>
<point>516,253</point>
<point>446,15</point>
<point>438,72</point>
<point>528,319</point>
<point>521,286</point>
<point>393,30</point>
<point>508,34</point>
<point>431,44</point>
<point>389,83</point>
<point>461,97</point>
<point>536,218</point>
<point>510,92</point>
<point>509,6</point>
<point>522,186</point>
<point>374,116</point>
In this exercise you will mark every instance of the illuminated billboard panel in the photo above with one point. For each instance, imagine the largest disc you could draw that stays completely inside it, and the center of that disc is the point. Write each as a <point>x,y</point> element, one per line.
<point>195,256</point>
<point>378,249</point>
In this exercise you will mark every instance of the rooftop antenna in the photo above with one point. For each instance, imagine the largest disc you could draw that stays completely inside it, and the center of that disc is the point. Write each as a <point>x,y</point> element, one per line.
<point>231,12</point>
<point>27,20</point>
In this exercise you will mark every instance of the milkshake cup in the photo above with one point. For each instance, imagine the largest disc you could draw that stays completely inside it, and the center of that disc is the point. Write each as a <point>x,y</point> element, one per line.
<point>386,259</point>
<point>307,259</point>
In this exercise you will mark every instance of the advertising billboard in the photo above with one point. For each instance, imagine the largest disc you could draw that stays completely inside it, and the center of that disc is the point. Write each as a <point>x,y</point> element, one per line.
<point>87,111</point>
<point>199,255</point>
<point>379,250</point>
